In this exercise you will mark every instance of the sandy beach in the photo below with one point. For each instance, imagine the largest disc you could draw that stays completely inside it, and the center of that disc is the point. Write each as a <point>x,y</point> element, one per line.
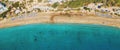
<point>53,18</point>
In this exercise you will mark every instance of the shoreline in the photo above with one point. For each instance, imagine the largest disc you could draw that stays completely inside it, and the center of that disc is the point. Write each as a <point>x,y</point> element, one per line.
<point>48,18</point>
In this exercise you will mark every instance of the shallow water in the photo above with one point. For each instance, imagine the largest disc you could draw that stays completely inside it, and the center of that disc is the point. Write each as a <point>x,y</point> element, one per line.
<point>60,37</point>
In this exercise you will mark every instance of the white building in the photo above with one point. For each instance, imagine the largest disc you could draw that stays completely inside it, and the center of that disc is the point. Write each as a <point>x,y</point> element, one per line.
<point>14,0</point>
<point>53,1</point>
<point>42,8</point>
<point>94,6</point>
<point>2,8</point>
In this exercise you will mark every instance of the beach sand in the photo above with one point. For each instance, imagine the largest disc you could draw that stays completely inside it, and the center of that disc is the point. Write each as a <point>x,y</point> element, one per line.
<point>48,18</point>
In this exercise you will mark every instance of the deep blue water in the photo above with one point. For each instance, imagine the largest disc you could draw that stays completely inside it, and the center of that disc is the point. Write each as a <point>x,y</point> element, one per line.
<point>60,37</point>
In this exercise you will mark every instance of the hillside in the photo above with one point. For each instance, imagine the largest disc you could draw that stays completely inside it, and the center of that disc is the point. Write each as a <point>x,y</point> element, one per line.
<point>78,3</point>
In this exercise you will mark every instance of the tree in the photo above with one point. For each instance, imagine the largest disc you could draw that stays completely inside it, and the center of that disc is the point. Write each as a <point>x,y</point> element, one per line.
<point>55,5</point>
<point>16,4</point>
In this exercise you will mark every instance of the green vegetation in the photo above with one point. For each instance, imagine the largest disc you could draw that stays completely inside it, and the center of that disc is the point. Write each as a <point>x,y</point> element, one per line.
<point>39,0</point>
<point>16,4</point>
<point>78,3</point>
<point>55,5</point>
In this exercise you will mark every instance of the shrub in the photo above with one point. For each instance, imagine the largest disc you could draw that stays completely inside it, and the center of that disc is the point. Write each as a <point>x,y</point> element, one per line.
<point>55,5</point>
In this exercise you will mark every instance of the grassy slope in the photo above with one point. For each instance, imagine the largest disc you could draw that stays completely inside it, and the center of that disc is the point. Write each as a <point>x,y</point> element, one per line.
<point>78,3</point>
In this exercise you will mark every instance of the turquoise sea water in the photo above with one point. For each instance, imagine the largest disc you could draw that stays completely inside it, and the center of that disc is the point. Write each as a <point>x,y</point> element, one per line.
<point>60,37</point>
